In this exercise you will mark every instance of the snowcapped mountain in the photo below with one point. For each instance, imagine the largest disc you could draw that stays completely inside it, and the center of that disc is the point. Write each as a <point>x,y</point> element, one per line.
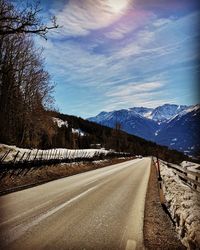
<point>182,132</point>
<point>166,112</point>
<point>145,112</point>
<point>175,126</point>
<point>160,114</point>
<point>131,121</point>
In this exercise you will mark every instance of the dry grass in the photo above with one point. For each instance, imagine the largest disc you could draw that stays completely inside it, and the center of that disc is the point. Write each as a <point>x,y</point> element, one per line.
<point>35,176</point>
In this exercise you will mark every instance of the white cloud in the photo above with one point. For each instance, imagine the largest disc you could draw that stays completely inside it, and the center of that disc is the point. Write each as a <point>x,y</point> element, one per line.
<point>162,22</point>
<point>144,100</point>
<point>122,74</point>
<point>119,32</point>
<point>80,17</point>
<point>131,22</point>
<point>148,52</point>
<point>135,94</point>
<point>137,46</point>
<point>131,89</point>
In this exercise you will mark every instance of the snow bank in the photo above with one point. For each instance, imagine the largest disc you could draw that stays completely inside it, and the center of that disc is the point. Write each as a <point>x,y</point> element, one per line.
<point>184,206</point>
<point>58,153</point>
<point>191,166</point>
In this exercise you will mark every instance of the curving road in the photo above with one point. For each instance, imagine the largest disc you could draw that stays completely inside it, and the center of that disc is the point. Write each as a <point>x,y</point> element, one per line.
<point>100,209</point>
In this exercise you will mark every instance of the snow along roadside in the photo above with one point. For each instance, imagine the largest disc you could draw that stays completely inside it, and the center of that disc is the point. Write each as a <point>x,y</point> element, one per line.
<point>184,206</point>
<point>56,153</point>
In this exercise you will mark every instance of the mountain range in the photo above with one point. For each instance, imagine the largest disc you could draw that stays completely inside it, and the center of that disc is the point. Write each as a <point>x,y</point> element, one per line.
<point>175,126</point>
<point>77,133</point>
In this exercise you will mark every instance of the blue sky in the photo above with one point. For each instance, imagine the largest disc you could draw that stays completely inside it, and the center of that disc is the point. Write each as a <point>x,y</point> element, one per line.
<point>114,54</point>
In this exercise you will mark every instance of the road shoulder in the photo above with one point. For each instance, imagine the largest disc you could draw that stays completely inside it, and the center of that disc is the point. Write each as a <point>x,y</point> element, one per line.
<point>159,232</point>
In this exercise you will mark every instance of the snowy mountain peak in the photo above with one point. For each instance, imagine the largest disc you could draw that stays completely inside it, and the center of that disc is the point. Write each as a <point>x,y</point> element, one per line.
<point>160,114</point>
<point>176,126</point>
<point>166,112</point>
<point>193,110</point>
<point>145,112</point>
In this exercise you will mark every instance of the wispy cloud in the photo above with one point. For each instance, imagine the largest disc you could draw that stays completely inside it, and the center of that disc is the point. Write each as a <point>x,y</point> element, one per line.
<point>120,67</point>
<point>140,99</point>
<point>136,88</point>
<point>162,22</point>
<point>137,93</point>
<point>80,17</point>
<point>131,22</point>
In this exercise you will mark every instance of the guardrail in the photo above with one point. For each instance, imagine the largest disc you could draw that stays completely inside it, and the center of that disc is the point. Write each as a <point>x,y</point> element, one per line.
<point>190,177</point>
<point>160,182</point>
<point>160,188</point>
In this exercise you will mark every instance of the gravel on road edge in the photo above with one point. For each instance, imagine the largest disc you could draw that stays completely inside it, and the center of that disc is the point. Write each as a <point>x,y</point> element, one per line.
<point>159,232</point>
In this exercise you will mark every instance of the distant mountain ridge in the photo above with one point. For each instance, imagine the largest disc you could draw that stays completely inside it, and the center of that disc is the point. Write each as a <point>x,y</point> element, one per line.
<point>162,113</point>
<point>175,126</point>
<point>75,132</point>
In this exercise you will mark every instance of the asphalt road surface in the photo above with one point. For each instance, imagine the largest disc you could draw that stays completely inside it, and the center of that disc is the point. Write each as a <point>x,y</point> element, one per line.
<point>100,209</point>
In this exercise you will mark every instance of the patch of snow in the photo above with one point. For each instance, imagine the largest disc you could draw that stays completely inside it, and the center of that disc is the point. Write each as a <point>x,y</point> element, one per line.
<point>78,131</point>
<point>192,108</point>
<point>157,131</point>
<point>184,206</point>
<point>185,111</point>
<point>60,122</point>
<point>148,115</point>
<point>191,166</point>
<point>99,161</point>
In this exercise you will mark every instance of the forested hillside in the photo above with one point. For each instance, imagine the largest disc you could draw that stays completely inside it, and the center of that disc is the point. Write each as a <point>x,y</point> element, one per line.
<point>108,138</point>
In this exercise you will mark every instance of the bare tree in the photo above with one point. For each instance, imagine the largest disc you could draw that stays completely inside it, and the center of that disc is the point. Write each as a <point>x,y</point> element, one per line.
<point>25,93</point>
<point>26,20</point>
<point>25,87</point>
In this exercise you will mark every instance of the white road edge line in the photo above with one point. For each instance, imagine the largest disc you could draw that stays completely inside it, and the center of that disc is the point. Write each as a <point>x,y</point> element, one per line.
<point>131,245</point>
<point>54,210</point>
<point>24,213</point>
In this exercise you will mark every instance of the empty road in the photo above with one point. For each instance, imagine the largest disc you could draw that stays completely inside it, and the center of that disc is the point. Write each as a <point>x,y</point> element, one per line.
<point>100,209</point>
